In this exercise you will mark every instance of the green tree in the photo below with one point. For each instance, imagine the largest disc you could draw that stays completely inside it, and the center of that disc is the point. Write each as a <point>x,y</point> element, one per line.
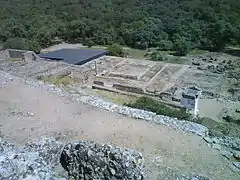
<point>89,43</point>
<point>221,34</point>
<point>15,43</point>
<point>33,45</point>
<point>181,45</point>
<point>165,45</point>
<point>75,29</point>
<point>135,23</point>
<point>116,50</point>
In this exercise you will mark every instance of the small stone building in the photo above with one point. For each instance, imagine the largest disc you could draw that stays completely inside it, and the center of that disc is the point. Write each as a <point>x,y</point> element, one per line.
<point>190,98</point>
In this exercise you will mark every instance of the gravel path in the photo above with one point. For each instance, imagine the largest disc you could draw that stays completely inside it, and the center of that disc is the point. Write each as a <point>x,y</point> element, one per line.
<point>28,112</point>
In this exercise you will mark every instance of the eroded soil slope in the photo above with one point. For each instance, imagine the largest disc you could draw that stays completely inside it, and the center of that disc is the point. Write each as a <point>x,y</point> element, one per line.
<point>28,112</point>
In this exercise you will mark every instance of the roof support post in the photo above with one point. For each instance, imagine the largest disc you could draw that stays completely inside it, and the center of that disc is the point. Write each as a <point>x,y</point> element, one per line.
<point>96,68</point>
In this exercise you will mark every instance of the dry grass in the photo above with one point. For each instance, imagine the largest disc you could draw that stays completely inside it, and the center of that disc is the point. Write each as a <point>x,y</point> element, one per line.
<point>116,97</point>
<point>135,53</point>
<point>64,80</point>
<point>197,52</point>
<point>15,59</point>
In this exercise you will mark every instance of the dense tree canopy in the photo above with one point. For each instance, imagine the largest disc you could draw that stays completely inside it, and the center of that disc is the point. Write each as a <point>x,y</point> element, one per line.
<point>135,23</point>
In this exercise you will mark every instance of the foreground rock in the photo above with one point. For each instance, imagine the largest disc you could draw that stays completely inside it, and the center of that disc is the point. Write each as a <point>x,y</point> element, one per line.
<point>37,160</point>
<point>84,160</point>
<point>34,161</point>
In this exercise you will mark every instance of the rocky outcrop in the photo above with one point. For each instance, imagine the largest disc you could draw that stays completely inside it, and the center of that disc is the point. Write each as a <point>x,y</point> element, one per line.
<point>34,161</point>
<point>37,160</point>
<point>229,148</point>
<point>42,160</point>
<point>85,160</point>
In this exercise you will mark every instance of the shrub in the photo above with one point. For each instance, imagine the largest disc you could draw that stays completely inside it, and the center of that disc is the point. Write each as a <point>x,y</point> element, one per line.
<point>181,46</point>
<point>33,46</point>
<point>15,43</point>
<point>231,119</point>
<point>165,45</point>
<point>58,80</point>
<point>90,43</point>
<point>141,45</point>
<point>157,56</point>
<point>150,104</point>
<point>116,50</point>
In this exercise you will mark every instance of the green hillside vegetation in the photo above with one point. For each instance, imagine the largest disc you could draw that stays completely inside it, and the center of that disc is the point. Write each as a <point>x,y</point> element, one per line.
<point>150,104</point>
<point>179,25</point>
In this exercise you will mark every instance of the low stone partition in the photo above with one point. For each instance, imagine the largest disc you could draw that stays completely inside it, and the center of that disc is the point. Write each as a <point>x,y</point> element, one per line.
<point>14,53</point>
<point>23,54</point>
<point>128,88</point>
<point>100,83</point>
<point>125,76</point>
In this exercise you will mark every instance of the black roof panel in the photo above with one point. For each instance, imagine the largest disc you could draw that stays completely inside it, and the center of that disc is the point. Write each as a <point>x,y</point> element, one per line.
<point>74,56</point>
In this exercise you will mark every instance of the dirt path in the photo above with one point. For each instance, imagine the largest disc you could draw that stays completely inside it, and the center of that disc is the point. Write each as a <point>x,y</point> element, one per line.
<point>27,112</point>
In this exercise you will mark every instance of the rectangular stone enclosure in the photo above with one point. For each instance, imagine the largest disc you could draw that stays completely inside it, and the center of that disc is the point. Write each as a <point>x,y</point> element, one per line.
<point>140,76</point>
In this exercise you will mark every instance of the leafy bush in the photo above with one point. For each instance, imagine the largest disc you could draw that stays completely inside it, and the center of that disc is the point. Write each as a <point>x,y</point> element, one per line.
<point>116,50</point>
<point>150,104</point>
<point>33,46</point>
<point>90,43</point>
<point>58,80</point>
<point>15,43</point>
<point>181,45</point>
<point>231,119</point>
<point>157,56</point>
<point>165,45</point>
<point>142,45</point>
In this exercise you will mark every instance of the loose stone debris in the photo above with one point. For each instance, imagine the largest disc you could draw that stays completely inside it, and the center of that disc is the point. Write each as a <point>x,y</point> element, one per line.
<point>34,161</point>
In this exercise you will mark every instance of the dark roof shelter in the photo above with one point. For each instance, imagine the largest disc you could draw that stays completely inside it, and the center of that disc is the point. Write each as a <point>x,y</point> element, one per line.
<point>74,56</point>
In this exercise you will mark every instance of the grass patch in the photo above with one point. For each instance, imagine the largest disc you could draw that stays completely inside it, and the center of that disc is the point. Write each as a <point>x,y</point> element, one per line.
<point>96,47</point>
<point>176,60</point>
<point>15,59</point>
<point>132,53</point>
<point>215,128</point>
<point>197,52</point>
<point>233,50</point>
<point>150,104</point>
<point>220,128</point>
<point>116,97</point>
<point>58,80</point>
<point>135,53</point>
<point>165,56</point>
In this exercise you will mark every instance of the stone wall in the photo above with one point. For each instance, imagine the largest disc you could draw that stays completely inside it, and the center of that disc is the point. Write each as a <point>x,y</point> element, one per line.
<point>128,88</point>
<point>100,83</point>
<point>125,76</point>
<point>25,55</point>
<point>13,53</point>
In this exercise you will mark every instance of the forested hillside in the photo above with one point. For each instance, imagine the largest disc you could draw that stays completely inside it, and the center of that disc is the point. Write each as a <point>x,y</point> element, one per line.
<point>170,24</point>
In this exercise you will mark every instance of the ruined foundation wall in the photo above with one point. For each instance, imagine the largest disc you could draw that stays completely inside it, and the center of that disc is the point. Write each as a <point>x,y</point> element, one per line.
<point>128,88</point>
